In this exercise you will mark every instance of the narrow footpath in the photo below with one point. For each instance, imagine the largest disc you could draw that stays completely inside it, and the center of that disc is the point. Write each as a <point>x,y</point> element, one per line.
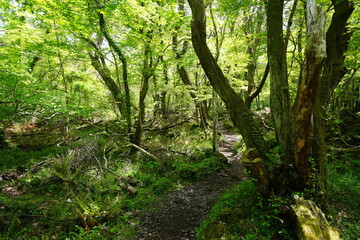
<point>177,216</point>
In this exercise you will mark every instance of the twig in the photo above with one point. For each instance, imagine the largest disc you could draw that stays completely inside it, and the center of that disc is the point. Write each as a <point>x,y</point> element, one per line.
<point>346,150</point>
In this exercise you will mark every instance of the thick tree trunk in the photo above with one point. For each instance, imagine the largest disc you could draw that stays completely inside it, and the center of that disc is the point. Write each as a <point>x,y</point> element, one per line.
<point>337,39</point>
<point>240,114</point>
<point>279,88</point>
<point>315,53</point>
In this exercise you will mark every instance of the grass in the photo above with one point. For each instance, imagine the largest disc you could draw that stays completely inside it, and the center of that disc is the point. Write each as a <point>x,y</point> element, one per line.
<point>344,194</point>
<point>240,214</point>
<point>16,158</point>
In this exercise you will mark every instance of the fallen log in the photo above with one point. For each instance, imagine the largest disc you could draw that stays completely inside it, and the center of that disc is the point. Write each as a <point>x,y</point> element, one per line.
<point>310,221</point>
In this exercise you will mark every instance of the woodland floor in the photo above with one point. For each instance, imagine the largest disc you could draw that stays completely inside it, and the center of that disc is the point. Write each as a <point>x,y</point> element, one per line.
<point>179,214</point>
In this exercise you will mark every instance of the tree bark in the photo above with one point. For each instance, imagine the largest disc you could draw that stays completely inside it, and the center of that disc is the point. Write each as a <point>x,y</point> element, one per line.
<point>337,39</point>
<point>240,114</point>
<point>279,88</point>
<point>315,53</point>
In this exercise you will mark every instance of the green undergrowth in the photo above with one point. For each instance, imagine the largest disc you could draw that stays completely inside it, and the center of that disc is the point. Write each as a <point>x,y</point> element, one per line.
<point>16,158</point>
<point>92,189</point>
<point>241,214</point>
<point>344,194</point>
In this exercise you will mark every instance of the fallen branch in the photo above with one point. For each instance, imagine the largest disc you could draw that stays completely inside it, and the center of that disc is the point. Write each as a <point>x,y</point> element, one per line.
<point>174,151</point>
<point>143,151</point>
<point>346,150</point>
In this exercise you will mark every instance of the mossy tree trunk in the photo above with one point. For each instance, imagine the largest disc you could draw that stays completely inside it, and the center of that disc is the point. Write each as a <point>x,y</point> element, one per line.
<point>315,53</point>
<point>337,40</point>
<point>98,62</point>
<point>240,114</point>
<point>125,78</point>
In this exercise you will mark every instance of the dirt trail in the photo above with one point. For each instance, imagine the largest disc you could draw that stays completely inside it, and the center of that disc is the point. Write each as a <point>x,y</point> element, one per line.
<point>176,216</point>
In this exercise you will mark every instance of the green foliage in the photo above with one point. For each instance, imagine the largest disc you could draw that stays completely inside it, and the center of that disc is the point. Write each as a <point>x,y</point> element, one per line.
<point>162,185</point>
<point>198,169</point>
<point>344,188</point>
<point>15,158</point>
<point>239,214</point>
<point>274,158</point>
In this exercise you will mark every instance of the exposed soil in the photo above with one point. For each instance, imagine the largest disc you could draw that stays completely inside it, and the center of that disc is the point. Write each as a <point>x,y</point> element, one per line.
<point>177,216</point>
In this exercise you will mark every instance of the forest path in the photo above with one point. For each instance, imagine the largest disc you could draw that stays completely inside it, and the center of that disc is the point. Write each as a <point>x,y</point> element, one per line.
<point>176,216</point>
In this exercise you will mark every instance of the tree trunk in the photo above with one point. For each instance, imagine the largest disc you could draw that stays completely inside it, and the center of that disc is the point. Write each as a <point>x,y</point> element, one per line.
<point>147,73</point>
<point>215,139</point>
<point>256,93</point>
<point>240,114</point>
<point>163,105</point>
<point>279,88</point>
<point>123,60</point>
<point>337,39</point>
<point>315,53</point>
<point>98,63</point>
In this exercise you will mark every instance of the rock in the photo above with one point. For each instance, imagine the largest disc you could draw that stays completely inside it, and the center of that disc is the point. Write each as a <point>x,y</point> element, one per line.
<point>311,223</point>
<point>133,181</point>
<point>132,190</point>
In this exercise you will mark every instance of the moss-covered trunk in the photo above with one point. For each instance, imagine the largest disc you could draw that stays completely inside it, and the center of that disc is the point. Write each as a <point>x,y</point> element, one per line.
<point>315,53</point>
<point>337,39</point>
